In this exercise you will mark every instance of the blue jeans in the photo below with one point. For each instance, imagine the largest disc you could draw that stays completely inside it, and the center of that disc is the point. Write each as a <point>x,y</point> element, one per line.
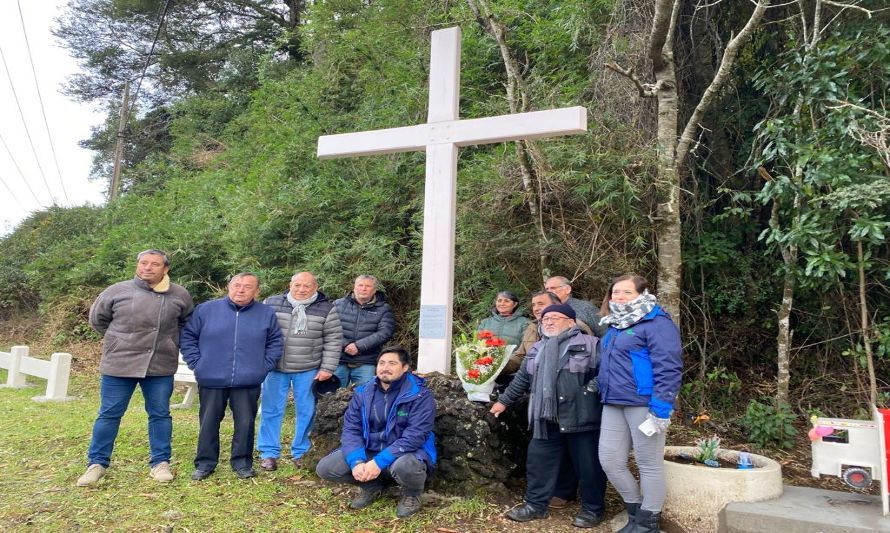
<point>358,375</point>
<point>114,395</point>
<point>274,401</point>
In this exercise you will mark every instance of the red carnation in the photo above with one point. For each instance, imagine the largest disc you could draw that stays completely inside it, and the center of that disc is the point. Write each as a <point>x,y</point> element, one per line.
<point>485,334</point>
<point>483,361</point>
<point>473,373</point>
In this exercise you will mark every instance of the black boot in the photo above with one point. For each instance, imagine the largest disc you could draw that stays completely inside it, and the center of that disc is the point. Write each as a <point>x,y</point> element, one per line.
<point>631,516</point>
<point>646,521</point>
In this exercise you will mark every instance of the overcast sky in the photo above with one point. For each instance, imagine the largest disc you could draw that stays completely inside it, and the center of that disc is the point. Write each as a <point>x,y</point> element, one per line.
<point>68,121</point>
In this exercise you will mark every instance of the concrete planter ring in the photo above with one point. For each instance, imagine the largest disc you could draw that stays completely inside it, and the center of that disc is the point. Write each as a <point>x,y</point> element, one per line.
<point>696,493</point>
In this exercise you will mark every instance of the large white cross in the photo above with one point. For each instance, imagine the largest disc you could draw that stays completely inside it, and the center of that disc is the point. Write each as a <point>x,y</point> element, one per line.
<point>440,137</point>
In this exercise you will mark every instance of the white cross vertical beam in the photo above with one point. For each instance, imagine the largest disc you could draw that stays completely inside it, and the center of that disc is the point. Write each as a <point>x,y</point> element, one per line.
<point>439,209</point>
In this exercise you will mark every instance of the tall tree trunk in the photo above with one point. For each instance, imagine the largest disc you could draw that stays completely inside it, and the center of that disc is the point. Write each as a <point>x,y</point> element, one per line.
<point>530,159</point>
<point>661,53</point>
<point>785,334</point>
<point>789,283</point>
<point>863,320</point>
<point>672,151</point>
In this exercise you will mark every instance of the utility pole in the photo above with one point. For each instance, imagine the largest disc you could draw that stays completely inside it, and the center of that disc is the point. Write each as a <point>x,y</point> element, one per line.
<point>119,146</point>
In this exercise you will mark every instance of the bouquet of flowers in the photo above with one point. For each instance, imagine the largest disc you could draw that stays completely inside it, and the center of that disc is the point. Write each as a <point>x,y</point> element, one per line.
<point>479,360</point>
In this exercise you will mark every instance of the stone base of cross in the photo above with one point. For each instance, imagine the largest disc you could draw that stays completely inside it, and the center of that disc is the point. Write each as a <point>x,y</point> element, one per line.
<point>440,137</point>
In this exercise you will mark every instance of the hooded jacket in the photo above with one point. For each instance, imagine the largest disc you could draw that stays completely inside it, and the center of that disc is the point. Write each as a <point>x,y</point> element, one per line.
<point>409,425</point>
<point>141,328</point>
<point>642,365</point>
<point>231,346</point>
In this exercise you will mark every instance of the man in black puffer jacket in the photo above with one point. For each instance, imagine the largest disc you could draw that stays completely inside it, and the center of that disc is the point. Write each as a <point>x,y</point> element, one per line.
<point>368,324</point>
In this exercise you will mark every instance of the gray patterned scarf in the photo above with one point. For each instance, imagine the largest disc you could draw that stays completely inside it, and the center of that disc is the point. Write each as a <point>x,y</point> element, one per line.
<point>623,316</point>
<point>298,315</point>
<point>543,406</point>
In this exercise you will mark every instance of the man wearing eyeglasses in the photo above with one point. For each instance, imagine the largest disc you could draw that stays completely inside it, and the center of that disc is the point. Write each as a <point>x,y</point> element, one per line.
<point>140,320</point>
<point>584,310</point>
<point>564,414</point>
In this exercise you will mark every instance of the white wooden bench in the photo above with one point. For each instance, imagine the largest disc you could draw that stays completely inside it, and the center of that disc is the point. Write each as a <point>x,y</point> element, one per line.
<point>184,376</point>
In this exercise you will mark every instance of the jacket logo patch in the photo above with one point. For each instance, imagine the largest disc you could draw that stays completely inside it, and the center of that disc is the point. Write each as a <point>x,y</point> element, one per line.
<point>630,331</point>
<point>401,412</point>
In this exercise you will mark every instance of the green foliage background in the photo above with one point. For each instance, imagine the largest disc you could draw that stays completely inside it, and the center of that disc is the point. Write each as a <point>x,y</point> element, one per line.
<point>221,172</point>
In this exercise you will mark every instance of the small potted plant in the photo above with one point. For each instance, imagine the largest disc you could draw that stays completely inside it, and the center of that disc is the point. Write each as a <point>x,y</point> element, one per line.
<point>707,451</point>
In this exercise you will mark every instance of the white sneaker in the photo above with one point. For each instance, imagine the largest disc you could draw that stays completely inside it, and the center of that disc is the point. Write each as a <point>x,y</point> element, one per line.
<point>161,472</point>
<point>92,476</point>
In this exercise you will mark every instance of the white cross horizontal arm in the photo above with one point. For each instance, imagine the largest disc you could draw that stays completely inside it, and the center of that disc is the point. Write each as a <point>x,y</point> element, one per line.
<point>532,125</point>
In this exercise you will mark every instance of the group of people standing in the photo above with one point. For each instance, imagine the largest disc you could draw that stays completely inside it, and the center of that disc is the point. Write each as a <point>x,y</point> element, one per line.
<point>599,383</point>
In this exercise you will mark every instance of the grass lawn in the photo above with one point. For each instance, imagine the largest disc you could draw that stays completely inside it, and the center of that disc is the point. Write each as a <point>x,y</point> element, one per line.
<point>43,451</point>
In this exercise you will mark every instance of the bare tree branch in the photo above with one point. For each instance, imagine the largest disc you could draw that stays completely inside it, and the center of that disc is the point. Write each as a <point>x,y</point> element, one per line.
<point>720,79</point>
<point>645,89</point>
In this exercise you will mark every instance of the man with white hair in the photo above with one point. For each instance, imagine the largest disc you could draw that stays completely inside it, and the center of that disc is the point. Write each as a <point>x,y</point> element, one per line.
<point>312,335</point>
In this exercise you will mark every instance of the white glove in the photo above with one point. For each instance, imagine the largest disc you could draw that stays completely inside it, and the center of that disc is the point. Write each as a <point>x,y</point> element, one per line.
<point>661,424</point>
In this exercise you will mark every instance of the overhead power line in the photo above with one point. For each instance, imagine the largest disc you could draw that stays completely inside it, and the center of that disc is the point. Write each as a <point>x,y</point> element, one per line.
<point>122,125</point>
<point>151,51</point>
<point>52,144</point>
<point>27,130</point>
<point>21,175</point>
<point>14,197</point>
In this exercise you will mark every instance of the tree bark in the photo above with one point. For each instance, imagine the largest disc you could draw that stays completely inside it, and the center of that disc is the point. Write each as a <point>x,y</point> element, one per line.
<point>783,338</point>
<point>527,153</point>
<point>863,321</point>
<point>672,151</point>
<point>661,53</point>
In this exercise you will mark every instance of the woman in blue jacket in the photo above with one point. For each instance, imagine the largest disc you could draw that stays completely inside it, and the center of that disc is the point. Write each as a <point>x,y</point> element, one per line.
<point>641,368</point>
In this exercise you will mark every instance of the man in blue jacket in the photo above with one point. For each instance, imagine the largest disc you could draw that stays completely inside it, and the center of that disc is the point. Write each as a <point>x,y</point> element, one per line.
<point>387,436</point>
<point>368,324</point>
<point>231,343</point>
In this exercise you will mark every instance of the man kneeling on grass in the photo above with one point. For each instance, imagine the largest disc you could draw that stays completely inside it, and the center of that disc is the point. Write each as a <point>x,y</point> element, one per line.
<point>387,436</point>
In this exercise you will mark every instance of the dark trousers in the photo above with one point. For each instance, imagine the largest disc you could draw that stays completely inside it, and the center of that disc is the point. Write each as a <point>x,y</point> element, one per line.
<point>243,403</point>
<point>543,466</point>
<point>408,471</point>
<point>566,481</point>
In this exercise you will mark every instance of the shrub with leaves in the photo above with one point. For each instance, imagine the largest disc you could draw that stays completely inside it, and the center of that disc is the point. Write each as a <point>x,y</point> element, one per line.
<point>769,426</point>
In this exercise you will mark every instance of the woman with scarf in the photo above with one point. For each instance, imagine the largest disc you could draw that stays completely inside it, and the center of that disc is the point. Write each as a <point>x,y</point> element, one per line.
<point>639,377</point>
<point>504,322</point>
<point>563,414</point>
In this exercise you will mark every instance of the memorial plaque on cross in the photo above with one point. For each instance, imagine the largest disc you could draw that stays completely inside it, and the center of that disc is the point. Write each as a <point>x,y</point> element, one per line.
<point>440,137</point>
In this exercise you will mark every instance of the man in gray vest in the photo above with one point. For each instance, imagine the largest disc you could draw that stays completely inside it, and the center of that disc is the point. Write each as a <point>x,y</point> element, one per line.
<point>140,320</point>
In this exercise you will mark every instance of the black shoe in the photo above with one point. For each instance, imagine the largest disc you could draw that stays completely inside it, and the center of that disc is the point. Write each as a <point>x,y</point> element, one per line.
<point>365,498</point>
<point>587,519</point>
<point>526,513</point>
<point>199,474</point>
<point>245,473</point>
<point>631,518</point>
<point>408,505</point>
<point>646,521</point>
